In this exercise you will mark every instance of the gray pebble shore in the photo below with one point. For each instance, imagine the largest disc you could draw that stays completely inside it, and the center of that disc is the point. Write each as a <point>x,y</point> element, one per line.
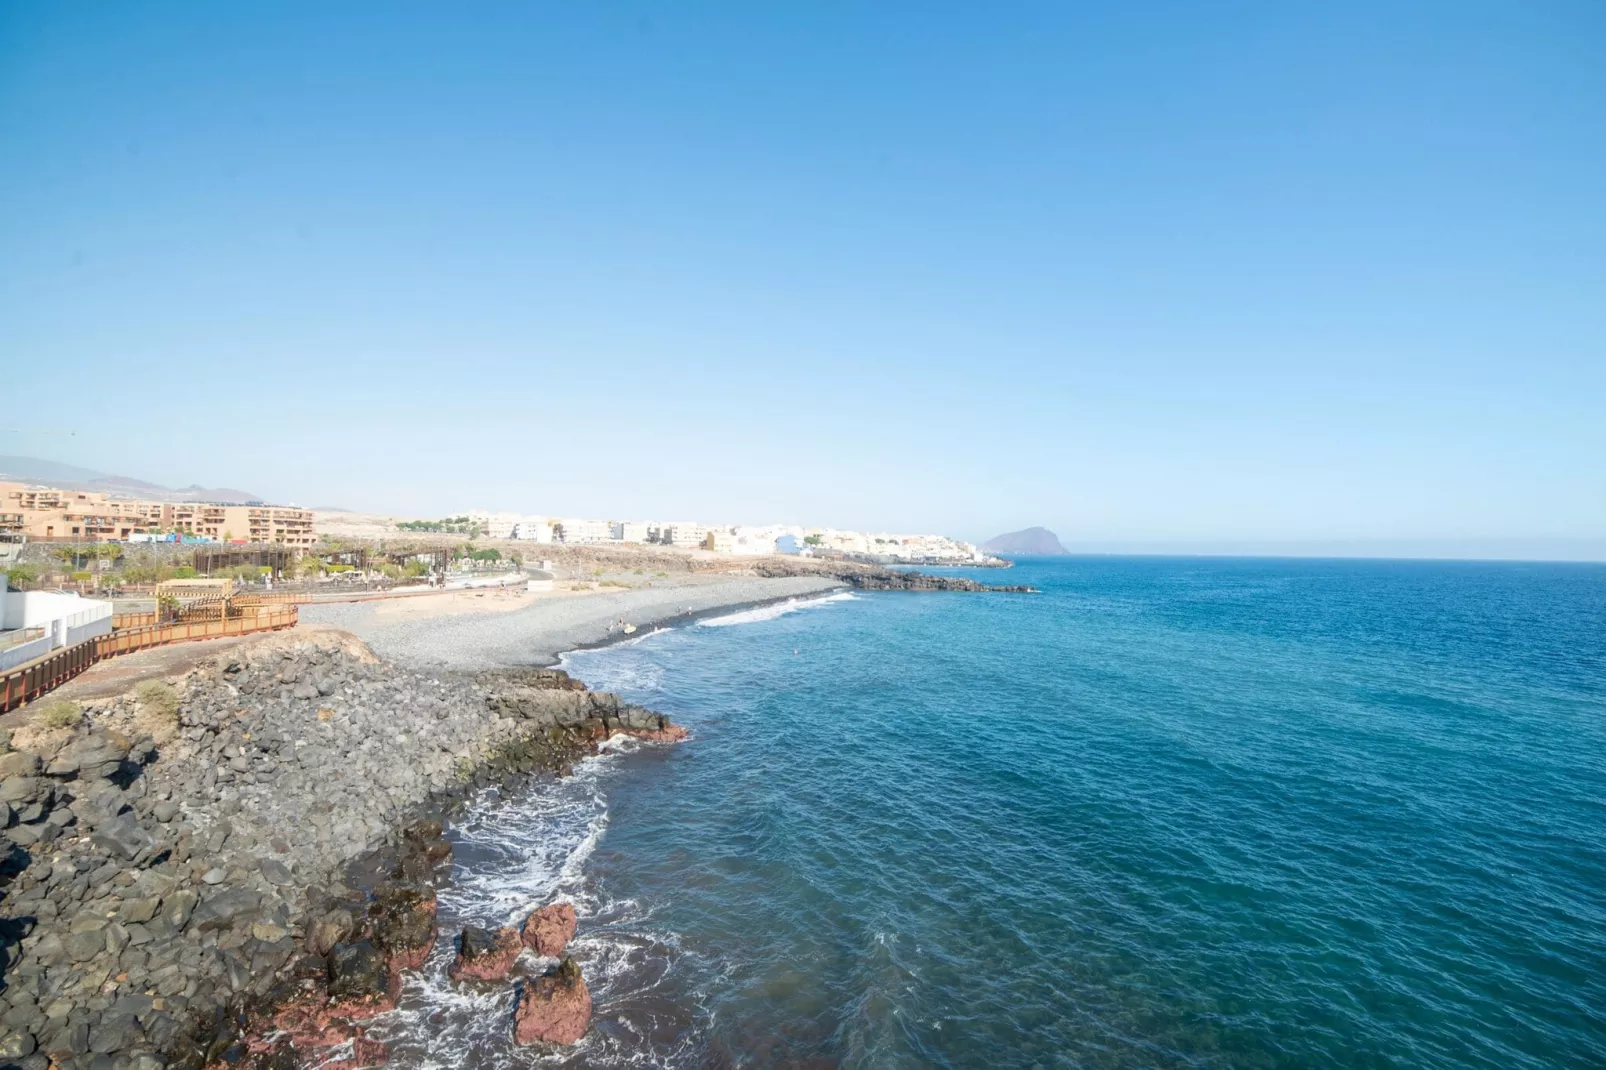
<point>540,632</point>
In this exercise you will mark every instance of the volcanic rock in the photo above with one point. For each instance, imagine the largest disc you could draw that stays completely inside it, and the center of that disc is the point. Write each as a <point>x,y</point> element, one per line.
<point>359,979</point>
<point>404,923</point>
<point>548,931</point>
<point>485,954</point>
<point>554,1008</point>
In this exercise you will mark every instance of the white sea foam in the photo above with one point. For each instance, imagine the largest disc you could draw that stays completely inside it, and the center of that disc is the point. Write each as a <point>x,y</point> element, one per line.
<point>774,610</point>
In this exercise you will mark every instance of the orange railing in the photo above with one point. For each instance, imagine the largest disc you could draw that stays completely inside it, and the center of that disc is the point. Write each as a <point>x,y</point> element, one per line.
<point>27,682</point>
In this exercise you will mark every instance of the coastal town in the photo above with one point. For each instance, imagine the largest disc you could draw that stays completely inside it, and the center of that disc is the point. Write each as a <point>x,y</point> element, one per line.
<point>216,716</point>
<point>53,514</point>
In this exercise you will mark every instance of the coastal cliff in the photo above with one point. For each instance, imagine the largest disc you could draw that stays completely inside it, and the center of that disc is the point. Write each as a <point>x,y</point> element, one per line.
<point>266,844</point>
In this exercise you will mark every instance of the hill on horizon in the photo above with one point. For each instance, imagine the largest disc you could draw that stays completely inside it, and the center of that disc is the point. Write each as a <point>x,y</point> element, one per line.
<point>1030,542</point>
<point>71,477</point>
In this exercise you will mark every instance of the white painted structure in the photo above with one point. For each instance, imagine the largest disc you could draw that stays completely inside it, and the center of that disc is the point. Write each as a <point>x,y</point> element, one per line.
<point>687,534</point>
<point>496,525</point>
<point>630,530</point>
<point>533,529</point>
<point>63,620</point>
<point>573,530</point>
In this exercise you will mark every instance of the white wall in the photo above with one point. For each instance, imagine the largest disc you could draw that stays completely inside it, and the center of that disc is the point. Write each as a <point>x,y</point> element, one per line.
<point>41,609</point>
<point>11,657</point>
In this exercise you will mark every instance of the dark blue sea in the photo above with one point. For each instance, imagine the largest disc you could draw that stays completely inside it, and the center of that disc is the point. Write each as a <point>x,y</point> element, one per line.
<point>1166,813</point>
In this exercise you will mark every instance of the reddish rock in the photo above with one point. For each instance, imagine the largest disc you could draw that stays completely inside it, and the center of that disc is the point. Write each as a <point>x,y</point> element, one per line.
<point>412,958</point>
<point>670,733</point>
<point>549,930</point>
<point>554,1008</point>
<point>485,954</point>
<point>403,918</point>
<point>364,1052</point>
<point>304,1026</point>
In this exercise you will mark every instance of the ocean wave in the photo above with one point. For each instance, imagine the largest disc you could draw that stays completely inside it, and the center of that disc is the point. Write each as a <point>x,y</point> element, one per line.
<point>774,610</point>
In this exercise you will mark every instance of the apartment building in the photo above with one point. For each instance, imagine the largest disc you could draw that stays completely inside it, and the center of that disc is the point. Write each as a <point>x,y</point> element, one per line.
<point>577,531</point>
<point>52,513</point>
<point>496,525</point>
<point>686,534</point>
<point>533,529</point>
<point>631,530</point>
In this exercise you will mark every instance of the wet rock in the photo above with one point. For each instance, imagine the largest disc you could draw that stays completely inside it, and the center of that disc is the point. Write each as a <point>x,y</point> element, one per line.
<point>554,1008</point>
<point>485,954</point>
<point>404,923</point>
<point>359,978</point>
<point>548,931</point>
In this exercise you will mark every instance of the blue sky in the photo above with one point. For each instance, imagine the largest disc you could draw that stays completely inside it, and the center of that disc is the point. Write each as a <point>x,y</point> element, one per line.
<point>1219,276</point>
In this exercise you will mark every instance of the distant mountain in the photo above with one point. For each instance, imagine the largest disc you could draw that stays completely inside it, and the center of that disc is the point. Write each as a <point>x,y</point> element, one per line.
<point>71,477</point>
<point>1033,542</point>
<point>38,471</point>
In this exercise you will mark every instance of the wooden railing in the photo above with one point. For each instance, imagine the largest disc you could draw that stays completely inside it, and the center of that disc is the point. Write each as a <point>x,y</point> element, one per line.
<point>27,682</point>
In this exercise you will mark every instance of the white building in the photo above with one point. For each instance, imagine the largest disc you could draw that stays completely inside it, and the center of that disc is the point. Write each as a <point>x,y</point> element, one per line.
<point>33,623</point>
<point>754,541</point>
<point>631,530</point>
<point>573,530</point>
<point>533,529</point>
<point>495,525</point>
<point>686,533</point>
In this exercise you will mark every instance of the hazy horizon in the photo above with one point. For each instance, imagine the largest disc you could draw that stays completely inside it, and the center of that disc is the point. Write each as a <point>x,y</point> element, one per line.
<point>1294,278</point>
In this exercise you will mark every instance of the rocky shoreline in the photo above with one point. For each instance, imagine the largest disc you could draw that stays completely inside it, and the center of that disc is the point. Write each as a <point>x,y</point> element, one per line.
<point>868,577</point>
<point>234,871</point>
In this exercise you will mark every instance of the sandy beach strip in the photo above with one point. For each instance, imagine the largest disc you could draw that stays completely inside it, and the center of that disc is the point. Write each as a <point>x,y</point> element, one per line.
<point>468,634</point>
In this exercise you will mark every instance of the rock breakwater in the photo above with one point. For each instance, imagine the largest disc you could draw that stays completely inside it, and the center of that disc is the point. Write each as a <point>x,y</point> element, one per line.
<point>237,876</point>
<point>876,578</point>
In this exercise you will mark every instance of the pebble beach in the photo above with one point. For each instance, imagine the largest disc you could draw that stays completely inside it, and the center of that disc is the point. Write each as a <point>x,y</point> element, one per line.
<point>538,633</point>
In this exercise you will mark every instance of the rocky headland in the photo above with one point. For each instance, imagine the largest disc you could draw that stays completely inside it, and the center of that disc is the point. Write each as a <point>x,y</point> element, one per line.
<point>234,868</point>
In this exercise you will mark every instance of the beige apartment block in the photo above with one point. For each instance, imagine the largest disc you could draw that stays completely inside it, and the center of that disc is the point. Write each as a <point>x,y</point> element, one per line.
<point>52,513</point>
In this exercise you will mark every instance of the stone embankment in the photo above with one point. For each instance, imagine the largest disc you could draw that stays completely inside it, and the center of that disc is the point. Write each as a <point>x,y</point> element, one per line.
<point>259,846</point>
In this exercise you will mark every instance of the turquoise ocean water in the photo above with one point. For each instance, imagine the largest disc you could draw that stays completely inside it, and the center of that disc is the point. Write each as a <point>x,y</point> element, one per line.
<point>1168,813</point>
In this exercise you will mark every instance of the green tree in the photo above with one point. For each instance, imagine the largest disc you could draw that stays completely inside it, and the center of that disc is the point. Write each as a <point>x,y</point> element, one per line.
<point>21,575</point>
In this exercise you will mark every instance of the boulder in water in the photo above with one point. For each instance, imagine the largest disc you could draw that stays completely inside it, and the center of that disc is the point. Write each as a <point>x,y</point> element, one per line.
<point>548,931</point>
<point>485,954</point>
<point>554,1008</point>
